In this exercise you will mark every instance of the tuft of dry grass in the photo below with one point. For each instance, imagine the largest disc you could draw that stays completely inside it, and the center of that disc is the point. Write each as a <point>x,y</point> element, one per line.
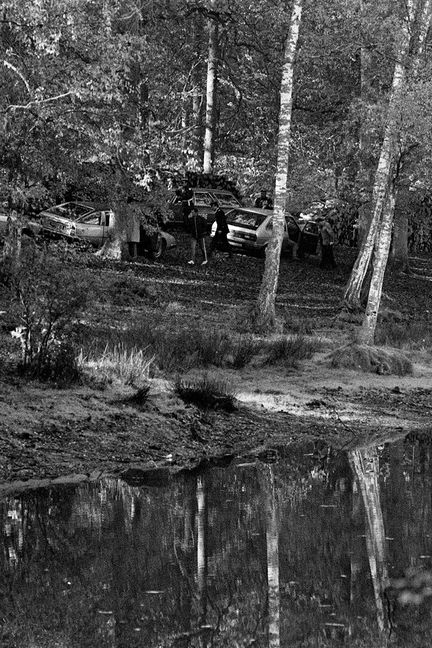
<point>371,359</point>
<point>130,366</point>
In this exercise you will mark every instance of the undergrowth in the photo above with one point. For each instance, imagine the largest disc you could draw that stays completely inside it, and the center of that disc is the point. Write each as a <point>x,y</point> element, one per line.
<point>412,334</point>
<point>130,366</point>
<point>206,391</point>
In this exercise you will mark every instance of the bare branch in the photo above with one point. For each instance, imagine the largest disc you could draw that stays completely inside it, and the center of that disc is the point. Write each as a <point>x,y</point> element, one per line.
<point>9,65</point>
<point>38,102</point>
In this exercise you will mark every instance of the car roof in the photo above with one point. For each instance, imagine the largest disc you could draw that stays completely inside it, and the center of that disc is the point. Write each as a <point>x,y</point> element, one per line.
<point>254,210</point>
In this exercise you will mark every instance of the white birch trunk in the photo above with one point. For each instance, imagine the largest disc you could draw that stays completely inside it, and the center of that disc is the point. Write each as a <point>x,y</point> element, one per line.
<point>212,65</point>
<point>266,316</point>
<point>367,331</point>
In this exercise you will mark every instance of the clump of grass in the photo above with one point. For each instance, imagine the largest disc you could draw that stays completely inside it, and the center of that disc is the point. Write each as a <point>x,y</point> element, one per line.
<point>290,350</point>
<point>243,350</point>
<point>139,398</point>
<point>371,359</point>
<point>207,392</point>
<point>413,334</point>
<point>131,366</point>
<point>302,326</point>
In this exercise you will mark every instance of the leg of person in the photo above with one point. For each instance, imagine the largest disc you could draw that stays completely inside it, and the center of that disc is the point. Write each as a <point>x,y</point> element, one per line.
<point>193,249</point>
<point>204,251</point>
<point>212,246</point>
<point>331,257</point>
<point>227,246</point>
<point>324,256</point>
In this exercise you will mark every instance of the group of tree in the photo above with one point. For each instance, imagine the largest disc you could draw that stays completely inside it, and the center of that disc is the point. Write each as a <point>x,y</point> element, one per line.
<point>332,98</point>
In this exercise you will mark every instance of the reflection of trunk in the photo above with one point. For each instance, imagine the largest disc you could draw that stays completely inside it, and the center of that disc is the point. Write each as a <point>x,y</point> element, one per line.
<point>212,65</point>
<point>201,548</point>
<point>272,541</point>
<point>365,464</point>
<point>266,316</point>
<point>356,550</point>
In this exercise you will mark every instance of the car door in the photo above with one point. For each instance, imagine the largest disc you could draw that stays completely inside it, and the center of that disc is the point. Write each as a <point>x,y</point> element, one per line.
<point>91,228</point>
<point>310,238</point>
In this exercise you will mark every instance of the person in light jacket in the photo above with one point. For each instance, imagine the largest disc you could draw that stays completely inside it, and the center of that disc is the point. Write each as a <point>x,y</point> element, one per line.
<point>197,227</point>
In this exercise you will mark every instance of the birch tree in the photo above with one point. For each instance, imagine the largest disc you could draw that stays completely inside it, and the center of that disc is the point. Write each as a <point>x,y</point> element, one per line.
<point>387,187</point>
<point>212,66</point>
<point>265,312</point>
<point>376,244</point>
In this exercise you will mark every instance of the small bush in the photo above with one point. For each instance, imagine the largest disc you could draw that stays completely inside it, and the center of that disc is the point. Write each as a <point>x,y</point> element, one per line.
<point>207,392</point>
<point>46,300</point>
<point>132,366</point>
<point>139,398</point>
<point>243,350</point>
<point>290,350</point>
<point>371,360</point>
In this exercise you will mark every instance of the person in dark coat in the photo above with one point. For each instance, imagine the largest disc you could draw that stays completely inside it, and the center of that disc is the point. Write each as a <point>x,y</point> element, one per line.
<point>327,236</point>
<point>197,227</point>
<point>219,240</point>
<point>186,195</point>
<point>263,201</point>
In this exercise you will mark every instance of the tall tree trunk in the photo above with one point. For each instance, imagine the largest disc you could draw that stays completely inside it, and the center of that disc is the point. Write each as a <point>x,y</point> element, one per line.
<point>212,65</point>
<point>367,332</point>
<point>115,246</point>
<point>265,312</point>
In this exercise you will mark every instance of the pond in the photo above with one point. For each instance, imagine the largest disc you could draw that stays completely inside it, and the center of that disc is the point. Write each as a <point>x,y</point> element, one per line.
<point>308,547</point>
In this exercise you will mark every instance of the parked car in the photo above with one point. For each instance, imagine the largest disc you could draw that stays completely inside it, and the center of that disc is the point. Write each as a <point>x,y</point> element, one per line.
<point>92,223</point>
<point>202,199</point>
<point>250,229</point>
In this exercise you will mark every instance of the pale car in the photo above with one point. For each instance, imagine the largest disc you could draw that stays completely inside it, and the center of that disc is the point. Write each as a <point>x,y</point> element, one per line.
<point>92,223</point>
<point>250,230</point>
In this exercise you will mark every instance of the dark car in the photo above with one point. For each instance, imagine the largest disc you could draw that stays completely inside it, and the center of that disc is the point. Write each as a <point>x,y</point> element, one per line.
<point>202,200</point>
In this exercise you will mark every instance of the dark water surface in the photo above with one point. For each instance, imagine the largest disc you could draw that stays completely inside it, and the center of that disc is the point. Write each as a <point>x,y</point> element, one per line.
<point>315,548</point>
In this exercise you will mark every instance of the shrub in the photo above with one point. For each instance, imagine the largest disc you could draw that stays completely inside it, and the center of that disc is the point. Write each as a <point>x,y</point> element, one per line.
<point>371,359</point>
<point>46,299</point>
<point>290,350</point>
<point>206,391</point>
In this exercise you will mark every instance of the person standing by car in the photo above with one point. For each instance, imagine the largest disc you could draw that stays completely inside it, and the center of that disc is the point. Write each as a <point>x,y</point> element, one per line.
<point>327,236</point>
<point>197,227</point>
<point>263,201</point>
<point>187,202</point>
<point>220,240</point>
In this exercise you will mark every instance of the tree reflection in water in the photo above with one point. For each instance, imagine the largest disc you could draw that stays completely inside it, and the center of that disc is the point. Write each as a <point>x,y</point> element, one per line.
<point>255,555</point>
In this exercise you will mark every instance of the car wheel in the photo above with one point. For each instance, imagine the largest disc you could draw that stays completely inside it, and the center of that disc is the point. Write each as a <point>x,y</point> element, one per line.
<point>160,249</point>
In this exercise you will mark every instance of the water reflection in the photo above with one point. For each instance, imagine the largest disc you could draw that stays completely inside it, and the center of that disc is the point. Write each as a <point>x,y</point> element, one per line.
<point>321,548</point>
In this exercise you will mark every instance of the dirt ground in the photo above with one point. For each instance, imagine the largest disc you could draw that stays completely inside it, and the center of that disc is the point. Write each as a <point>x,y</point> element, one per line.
<point>51,434</point>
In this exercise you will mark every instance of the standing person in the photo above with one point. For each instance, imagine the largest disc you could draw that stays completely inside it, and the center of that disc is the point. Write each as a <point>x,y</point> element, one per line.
<point>186,195</point>
<point>327,243</point>
<point>197,226</point>
<point>220,240</point>
<point>263,201</point>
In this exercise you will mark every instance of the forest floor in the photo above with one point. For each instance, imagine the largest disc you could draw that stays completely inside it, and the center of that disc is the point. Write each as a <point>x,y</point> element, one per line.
<point>83,431</point>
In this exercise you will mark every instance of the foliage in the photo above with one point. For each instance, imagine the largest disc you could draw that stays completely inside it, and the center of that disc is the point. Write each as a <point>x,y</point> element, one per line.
<point>371,359</point>
<point>45,305</point>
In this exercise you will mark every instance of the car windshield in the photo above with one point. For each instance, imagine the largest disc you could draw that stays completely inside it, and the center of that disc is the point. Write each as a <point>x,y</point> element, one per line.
<point>70,210</point>
<point>225,199</point>
<point>202,199</point>
<point>251,220</point>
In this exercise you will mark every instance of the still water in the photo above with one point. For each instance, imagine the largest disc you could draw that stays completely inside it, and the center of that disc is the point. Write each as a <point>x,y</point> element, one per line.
<point>314,547</point>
